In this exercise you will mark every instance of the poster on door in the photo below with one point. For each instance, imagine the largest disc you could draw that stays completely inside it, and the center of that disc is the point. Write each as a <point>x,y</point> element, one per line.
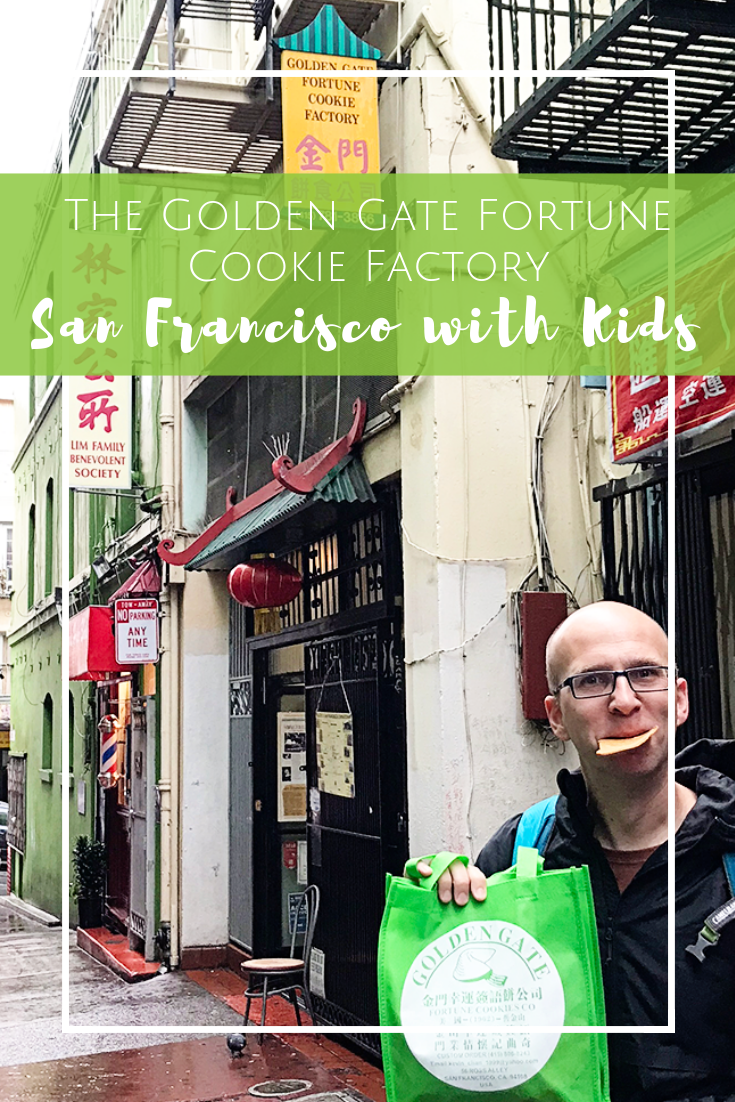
<point>291,767</point>
<point>335,758</point>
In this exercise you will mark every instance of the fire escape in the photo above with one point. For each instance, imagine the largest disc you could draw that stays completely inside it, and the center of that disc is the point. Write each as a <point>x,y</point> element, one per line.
<point>187,108</point>
<point>616,123</point>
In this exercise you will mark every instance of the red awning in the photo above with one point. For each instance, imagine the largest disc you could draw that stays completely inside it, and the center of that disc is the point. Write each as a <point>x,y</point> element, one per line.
<point>143,582</point>
<point>92,645</point>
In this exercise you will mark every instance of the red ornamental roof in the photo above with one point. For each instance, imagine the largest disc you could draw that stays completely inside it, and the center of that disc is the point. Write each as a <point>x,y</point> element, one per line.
<point>300,479</point>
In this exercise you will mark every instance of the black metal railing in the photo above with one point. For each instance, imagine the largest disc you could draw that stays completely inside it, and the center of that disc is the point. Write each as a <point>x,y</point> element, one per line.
<point>614,117</point>
<point>257,12</point>
<point>538,34</point>
<point>634,514</point>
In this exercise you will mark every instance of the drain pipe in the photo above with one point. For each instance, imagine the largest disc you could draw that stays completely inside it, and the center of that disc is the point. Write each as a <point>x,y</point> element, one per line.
<point>392,398</point>
<point>171,40</point>
<point>169,784</point>
<point>442,42</point>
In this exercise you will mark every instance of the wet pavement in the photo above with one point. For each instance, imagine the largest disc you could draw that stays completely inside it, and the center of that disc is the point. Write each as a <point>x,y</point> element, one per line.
<point>41,1064</point>
<point>30,999</point>
<point>190,1071</point>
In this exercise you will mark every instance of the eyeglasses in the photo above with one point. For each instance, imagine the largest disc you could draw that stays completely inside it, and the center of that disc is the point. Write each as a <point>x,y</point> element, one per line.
<point>642,679</point>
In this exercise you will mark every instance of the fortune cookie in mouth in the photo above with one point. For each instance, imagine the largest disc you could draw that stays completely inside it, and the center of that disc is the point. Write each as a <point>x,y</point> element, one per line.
<point>607,746</point>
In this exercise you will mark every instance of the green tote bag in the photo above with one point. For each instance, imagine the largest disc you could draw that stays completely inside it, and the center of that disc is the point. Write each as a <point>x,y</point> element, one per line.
<point>463,982</point>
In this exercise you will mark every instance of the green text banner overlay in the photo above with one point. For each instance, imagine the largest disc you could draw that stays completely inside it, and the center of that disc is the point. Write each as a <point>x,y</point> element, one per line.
<point>499,274</point>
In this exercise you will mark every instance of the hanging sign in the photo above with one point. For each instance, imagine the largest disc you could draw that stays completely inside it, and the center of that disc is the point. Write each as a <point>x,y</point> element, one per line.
<point>330,121</point>
<point>335,753</point>
<point>639,410</point>
<point>136,630</point>
<point>100,431</point>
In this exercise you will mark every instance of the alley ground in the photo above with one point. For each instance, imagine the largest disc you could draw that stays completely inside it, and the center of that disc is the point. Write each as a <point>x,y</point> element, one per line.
<point>41,1064</point>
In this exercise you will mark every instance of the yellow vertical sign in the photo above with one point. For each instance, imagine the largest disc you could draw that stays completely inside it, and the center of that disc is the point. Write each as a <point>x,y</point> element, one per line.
<point>330,120</point>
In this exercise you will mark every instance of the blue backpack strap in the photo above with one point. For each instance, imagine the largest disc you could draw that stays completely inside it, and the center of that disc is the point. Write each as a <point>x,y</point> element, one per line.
<point>535,827</point>
<point>709,935</point>
<point>728,860</point>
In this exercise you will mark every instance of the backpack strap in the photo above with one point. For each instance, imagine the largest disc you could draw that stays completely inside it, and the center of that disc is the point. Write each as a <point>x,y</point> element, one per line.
<point>534,829</point>
<point>728,860</point>
<point>709,935</point>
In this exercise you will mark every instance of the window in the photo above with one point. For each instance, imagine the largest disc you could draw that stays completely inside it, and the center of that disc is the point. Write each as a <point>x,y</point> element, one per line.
<point>49,548</point>
<point>6,558</point>
<point>31,555</point>
<point>47,743</point>
<point>71,733</point>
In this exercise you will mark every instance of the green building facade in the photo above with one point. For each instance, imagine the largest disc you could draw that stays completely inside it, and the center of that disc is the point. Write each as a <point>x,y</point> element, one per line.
<point>35,649</point>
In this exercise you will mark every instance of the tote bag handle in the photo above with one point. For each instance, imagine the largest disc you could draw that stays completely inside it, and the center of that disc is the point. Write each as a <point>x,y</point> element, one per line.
<point>528,863</point>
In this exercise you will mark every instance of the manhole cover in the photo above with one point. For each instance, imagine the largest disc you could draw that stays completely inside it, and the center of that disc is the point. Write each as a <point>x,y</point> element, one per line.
<point>279,1088</point>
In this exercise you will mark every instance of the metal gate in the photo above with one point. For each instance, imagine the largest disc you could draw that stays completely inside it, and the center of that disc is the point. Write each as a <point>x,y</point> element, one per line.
<point>17,804</point>
<point>696,621</point>
<point>634,526</point>
<point>143,821</point>
<point>634,532</point>
<point>241,782</point>
<point>354,837</point>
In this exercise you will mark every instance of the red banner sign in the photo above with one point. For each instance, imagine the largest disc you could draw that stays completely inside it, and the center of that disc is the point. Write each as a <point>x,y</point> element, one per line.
<point>639,410</point>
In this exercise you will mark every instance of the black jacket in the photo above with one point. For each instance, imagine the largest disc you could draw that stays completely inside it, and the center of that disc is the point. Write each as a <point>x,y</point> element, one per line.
<point>698,1061</point>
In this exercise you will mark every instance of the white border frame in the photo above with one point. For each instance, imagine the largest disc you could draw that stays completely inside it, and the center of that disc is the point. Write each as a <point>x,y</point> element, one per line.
<point>669,75</point>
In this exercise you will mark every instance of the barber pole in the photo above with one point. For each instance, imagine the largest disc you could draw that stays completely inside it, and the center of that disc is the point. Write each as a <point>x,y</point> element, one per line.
<point>108,727</point>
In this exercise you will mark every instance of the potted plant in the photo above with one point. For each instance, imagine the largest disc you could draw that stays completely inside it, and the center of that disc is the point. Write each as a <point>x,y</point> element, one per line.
<point>88,882</point>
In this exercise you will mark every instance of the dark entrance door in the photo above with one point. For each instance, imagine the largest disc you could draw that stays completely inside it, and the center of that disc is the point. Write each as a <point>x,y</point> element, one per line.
<point>356,832</point>
<point>335,649</point>
<point>142,812</point>
<point>114,699</point>
<point>279,790</point>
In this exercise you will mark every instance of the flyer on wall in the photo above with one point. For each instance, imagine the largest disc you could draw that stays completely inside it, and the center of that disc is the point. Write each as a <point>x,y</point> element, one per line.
<point>368,467</point>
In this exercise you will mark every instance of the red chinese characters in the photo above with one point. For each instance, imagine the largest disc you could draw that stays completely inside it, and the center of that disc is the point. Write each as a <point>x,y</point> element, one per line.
<point>96,404</point>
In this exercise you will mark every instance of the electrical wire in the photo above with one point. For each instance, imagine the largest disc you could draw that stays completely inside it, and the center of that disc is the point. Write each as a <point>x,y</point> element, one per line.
<point>459,646</point>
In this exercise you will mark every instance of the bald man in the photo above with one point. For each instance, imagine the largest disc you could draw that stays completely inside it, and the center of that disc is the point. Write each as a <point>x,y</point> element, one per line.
<point>608,674</point>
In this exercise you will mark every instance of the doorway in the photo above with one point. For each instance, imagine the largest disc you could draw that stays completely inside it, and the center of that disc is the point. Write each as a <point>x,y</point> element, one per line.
<point>314,686</point>
<point>279,798</point>
<point>115,699</point>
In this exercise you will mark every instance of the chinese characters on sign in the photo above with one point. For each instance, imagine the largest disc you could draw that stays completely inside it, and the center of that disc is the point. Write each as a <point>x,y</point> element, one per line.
<point>100,401</point>
<point>98,269</point>
<point>639,410</point>
<point>330,122</point>
<point>100,431</point>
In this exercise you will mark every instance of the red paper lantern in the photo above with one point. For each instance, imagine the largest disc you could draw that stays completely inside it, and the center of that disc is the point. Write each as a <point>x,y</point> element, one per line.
<point>264,583</point>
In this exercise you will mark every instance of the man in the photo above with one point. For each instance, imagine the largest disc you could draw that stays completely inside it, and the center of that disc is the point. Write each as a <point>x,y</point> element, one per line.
<point>608,680</point>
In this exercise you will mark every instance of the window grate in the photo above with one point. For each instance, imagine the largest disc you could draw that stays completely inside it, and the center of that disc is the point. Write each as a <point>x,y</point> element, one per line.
<point>342,571</point>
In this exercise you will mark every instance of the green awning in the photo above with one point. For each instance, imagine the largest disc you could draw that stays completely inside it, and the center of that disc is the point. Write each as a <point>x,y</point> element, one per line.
<point>328,34</point>
<point>346,483</point>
